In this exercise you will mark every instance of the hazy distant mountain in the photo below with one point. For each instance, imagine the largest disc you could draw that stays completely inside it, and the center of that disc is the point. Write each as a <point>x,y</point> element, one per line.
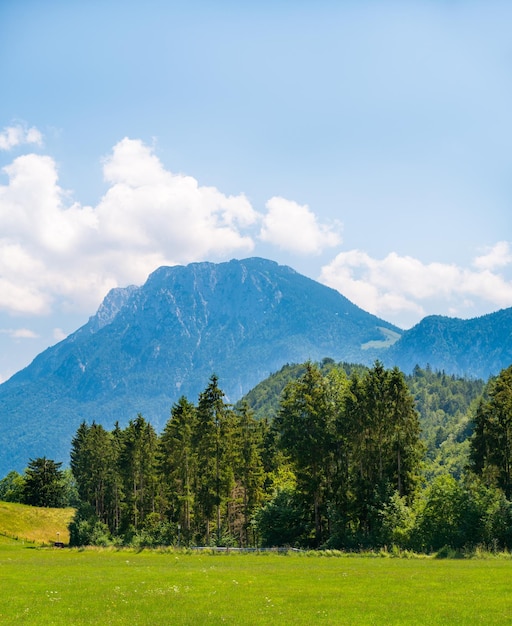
<point>478,347</point>
<point>148,345</point>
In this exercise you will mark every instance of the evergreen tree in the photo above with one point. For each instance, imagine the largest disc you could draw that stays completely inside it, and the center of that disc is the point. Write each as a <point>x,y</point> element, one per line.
<point>249,471</point>
<point>43,483</point>
<point>306,425</point>
<point>137,466</point>
<point>94,460</point>
<point>177,463</point>
<point>212,441</point>
<point>379,428</point>
<point>491,445</point>
<point>406,447</point>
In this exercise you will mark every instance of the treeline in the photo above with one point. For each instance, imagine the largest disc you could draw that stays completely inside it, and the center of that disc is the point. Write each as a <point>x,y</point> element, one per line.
<point>341,464</point>
<point>320,472</point>
<point>200,481</point>
<point>341,461</point>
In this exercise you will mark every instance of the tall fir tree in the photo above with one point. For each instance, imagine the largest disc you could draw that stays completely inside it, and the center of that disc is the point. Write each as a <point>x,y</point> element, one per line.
<point>177,463</point>
<point>491,444</point>
<point>306,425</point>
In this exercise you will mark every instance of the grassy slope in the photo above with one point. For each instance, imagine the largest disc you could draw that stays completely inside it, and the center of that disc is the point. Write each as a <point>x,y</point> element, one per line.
<point>34,524</point>
<point>46,586</point>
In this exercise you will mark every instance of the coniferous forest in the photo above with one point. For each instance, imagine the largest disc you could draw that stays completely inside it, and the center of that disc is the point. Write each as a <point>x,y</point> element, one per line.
<point>318,455</point>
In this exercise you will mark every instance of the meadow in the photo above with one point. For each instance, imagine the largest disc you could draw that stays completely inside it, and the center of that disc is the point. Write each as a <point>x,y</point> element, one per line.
<point>34,524</point>
<point>44,585</point>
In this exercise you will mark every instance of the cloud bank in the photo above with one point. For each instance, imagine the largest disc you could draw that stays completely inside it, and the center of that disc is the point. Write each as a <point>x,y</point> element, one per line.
<point>54,251</point>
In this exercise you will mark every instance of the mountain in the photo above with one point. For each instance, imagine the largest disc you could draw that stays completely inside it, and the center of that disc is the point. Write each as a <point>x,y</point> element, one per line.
<point>146,346</point>
<point>477,348</point>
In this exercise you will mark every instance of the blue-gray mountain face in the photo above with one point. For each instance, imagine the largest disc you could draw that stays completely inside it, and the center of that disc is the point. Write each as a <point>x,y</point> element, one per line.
<point>241,320</point>
<point>477,348</point>
<point>147,346</point>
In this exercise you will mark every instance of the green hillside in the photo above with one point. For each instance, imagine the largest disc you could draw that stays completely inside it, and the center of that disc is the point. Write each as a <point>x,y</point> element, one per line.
<point>29,523</point>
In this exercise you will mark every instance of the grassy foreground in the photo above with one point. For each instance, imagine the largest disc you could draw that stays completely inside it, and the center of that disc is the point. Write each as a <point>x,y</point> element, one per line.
<point>52,586</point>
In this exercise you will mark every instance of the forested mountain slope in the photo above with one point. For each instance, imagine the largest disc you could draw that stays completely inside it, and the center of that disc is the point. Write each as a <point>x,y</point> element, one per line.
<point>446,405</point>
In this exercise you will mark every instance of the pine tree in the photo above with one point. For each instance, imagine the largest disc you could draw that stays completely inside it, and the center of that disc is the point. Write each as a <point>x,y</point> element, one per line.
<point>177,463</point>
<point>43,483</point>
<point>249,472</point>
<point>137,463</point>
<point>491,445</point>
<point>211,442</point>
<point>306,425</point>
<point>94,460</point>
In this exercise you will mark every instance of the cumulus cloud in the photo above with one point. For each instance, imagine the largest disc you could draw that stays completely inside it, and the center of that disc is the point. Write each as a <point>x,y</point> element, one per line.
<point>500,255</point>
<point>151,209</point>
<point>19,134</point>
<point>52,249</point>
<point>295,228</point>
<point>400,287</point>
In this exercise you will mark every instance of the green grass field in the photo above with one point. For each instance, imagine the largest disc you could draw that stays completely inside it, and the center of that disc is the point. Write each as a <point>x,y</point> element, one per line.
<point>52,586</point>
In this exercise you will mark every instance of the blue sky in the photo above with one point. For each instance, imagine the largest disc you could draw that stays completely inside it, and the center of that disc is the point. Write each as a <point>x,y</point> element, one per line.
<point>365,144</point>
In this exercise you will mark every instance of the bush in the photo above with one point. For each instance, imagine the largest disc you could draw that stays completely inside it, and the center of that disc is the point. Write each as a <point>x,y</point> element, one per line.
<point>87,530</point>
<point>281,522</point>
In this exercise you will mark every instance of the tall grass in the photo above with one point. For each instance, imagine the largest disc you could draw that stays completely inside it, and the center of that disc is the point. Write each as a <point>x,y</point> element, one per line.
<point>39,525</point>
<point>92,586</point>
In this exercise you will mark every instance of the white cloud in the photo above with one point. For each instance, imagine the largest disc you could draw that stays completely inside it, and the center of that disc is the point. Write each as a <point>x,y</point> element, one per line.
<point>166,217</point>
<point>294,227</point>
<point>403,288</point>
<point>53,250</point>
<point>500,255</point>
<point>19,333</point>
<point>19,134</point>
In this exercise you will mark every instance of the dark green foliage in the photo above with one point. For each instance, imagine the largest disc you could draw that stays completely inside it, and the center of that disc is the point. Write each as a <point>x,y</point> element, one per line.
<point>94,459</point>
<point>200,480</point>
<point>137,470</point>
<point>43,483</point>
<point>86,529</point>
<point>283,521</point>
<point>340,465</point>
<point>352,443</point>
<point>264,398</point>
<point>177,465</point>
<point>213,443</point>
<point>491,445</point>
<point>305,423</point>
<point>446,406</point>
